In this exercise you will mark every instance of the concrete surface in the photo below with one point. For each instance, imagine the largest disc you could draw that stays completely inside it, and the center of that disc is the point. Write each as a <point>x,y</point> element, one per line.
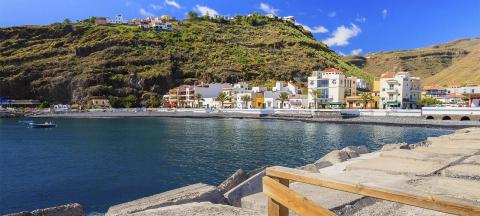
<point>192,193</point>
<point>250,186</point>
<point>398,166</point>
<point>198,209</point>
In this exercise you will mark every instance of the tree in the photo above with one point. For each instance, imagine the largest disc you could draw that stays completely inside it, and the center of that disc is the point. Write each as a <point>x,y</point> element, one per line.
<point>366,98</point>
<point>130,101</point>
<point>198,97</point>
<point>153,102</point>
<point>316,94</point>
<point>116,102</point>
<point>428,101</point>
<point>282,97</point>
<point>192,15</point>
<point>222,97</point>
<point>245,99</point>
<point>44,105</point>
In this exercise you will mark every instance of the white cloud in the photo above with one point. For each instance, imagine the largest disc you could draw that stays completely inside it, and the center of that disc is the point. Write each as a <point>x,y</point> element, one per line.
<point>361,19</point>
<point>332,14</point>
<point>268,9</point>
<point>156,7</point>
<point>342,34</point>
<point>314,30</point>
<point>341,53</point>
<point>384,13</point>
<point>173,3</point>
<point>144,12</point>
<point>128,3</point>
<point>356,51</point>
<point>204,10</point>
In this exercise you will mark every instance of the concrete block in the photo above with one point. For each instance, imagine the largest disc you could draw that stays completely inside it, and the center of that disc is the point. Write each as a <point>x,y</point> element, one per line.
<point>250,186</point>
<point>472,160</point>
<point>419,155</point>
<point>309,167</point>
<point>447,150</point>
<point>198,209</point>
<point>192,193</point>
<point>471,171</point>
<point>398,166</point>
<point>463,189</point>
<point>238,177</point>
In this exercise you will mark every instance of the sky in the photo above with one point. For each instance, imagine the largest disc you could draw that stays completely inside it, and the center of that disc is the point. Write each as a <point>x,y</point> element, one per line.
<point>350,27</point>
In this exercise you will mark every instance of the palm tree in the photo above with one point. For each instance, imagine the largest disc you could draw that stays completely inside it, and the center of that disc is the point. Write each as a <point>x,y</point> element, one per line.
<point>316,94</point>
<point>282,97</point>
<point>245,99</point>
<point>198,97</point>
<point>366,98</point>
<point>222,97</point>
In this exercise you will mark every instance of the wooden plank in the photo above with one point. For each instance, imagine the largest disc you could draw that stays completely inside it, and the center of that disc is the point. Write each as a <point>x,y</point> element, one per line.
<point>422,201</point>
<point>275,208</point>
<point>291,199</point>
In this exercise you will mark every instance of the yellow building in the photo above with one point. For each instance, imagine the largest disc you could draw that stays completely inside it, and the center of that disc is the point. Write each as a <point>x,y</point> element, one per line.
<point>258,100</point>
<point>356,102</point>
<point>99,103</point>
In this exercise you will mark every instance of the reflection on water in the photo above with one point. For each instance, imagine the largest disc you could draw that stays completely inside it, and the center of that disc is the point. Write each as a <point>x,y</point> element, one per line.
<point>102,162</point>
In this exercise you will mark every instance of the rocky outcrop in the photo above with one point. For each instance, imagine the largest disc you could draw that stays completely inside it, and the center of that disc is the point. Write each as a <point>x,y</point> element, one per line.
<point>238,177</point>
<point>192,193</point>
<point>389,147</point>
<point>73,209</point>
<point>338,156</point>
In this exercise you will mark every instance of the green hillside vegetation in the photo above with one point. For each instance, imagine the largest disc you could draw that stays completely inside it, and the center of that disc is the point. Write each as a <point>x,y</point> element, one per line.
<point>450,63</point>
<point>66,62</point>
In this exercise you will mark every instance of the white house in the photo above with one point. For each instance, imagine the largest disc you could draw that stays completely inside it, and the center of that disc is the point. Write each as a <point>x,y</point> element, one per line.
<point>209,92</point>
<point>281,87</point>
<point>270,99</point>
<point>399,90</point>
<point>239,103</point>
<point>332,85</point>
<point>298,102</point>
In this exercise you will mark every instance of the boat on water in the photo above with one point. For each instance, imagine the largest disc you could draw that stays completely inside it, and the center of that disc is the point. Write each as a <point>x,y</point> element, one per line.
<point>43,125</point>
<point>25,122</point>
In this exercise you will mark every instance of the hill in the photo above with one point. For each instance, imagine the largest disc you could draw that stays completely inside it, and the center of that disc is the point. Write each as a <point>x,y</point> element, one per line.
<point>66,62</point>
<point>450,63</point>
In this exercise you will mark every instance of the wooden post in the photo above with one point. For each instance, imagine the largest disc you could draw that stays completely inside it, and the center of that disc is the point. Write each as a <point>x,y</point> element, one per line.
<point>275,208</point>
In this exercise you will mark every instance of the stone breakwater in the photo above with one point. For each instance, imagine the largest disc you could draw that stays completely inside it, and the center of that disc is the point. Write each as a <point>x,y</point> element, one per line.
<point>447,166</point>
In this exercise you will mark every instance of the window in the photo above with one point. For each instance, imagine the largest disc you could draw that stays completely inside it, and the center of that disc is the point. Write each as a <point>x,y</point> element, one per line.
<point>391,86</point>
<point>390,96</point>
<point>334,81</point>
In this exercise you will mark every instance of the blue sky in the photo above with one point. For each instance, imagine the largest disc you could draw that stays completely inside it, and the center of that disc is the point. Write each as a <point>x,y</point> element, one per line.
<point>347,26</point>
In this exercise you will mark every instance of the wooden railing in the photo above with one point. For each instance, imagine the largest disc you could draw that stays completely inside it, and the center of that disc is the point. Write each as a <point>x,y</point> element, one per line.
<point>281,198</point>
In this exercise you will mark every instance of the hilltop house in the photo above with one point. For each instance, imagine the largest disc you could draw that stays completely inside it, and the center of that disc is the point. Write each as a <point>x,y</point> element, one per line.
<point>399,90</point>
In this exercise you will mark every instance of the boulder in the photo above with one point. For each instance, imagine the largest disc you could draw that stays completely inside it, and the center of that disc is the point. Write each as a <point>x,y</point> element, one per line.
<point>250,186</point>
<point>193,193</point>
<point>335,156</point>
<point>73,209</point>
<point>238,177</point>
<point>389,147</point>
<point>355,151</point>
<point>309,167</point>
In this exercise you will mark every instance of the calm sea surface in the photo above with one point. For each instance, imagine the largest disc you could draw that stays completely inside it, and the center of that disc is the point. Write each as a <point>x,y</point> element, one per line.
<point>102,162</point>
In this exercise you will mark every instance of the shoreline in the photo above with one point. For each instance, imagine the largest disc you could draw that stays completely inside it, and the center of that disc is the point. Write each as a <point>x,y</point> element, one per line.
<point>365,120</point>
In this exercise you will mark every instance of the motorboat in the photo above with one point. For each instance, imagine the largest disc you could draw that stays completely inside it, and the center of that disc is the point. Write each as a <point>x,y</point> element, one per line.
<point>42,125</point>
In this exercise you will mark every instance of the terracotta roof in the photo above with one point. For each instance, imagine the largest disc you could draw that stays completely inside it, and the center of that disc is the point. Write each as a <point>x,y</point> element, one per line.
<point>455,95</point>
<point>388,75</point>
<point>332,70</point>
<point>433,87</point>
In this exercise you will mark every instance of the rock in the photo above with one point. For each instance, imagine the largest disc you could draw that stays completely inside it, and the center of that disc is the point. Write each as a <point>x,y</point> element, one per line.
<point>309,167</point>
<point>73,209</point>
<point>193,193</point>
<point>250,186</point>
<point>238,177</point>
<point>355,151</point>
<point>389,147</point>
<point>322,164</point>
<point>333,157</point>
<point>198,209</point>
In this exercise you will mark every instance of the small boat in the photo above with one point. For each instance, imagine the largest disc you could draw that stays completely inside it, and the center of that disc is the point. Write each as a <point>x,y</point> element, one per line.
<point>43,125</point>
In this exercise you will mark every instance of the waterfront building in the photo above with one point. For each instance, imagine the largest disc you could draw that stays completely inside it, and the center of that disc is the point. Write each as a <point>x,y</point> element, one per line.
<point>258,101</point>
<point>99,103</point>
<point>332,86</point>
<point>470,91</point>
<point>399,90</point>
<point>185,95</point>
<point>290,88</point>
<point>362,84</point>
<point>298,101</point>
<point>240,103</point>
<point>270,100</point>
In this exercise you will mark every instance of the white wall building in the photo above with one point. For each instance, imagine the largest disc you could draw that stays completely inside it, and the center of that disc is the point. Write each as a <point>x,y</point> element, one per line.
<point>399,90</point>
<point>333,87</point>
<point>281,87</point>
